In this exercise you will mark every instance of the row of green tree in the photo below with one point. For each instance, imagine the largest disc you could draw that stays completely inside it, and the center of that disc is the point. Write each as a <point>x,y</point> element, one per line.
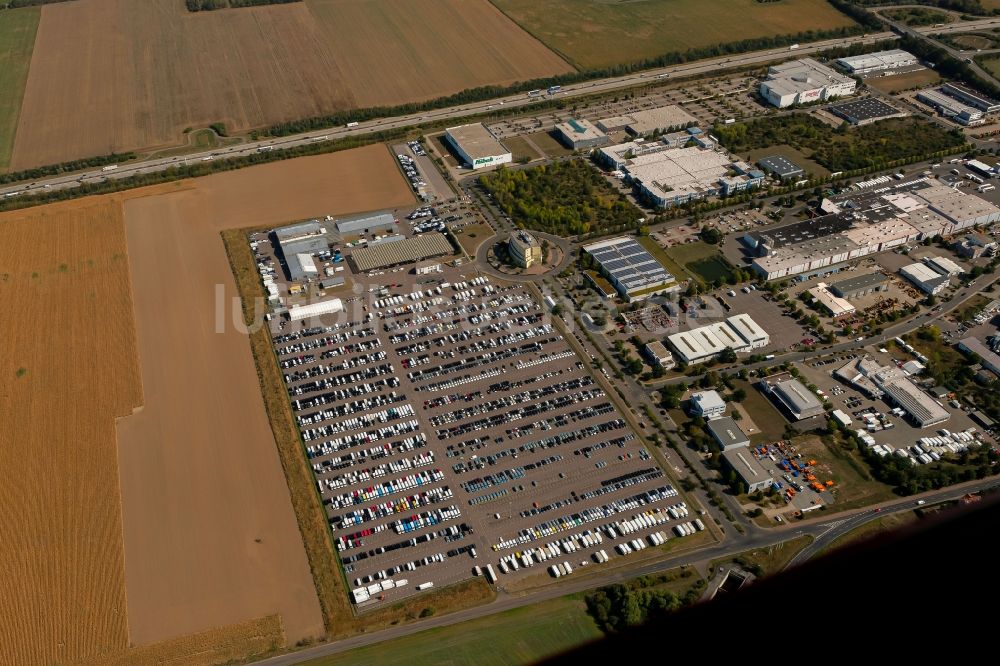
<point>210,5</point>
<point>617,607</point>
<point>565,198</point>
<point>65,167</point>
<point>15,4</point>
<point>846,148</point>
<point>948,66</point>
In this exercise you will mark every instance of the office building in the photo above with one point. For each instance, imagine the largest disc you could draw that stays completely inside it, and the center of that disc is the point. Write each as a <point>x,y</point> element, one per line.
<point>580,134</point>
<point>804,81</point>
<point>707,404</point>
<point>657,352</point>
<point>524,249</point>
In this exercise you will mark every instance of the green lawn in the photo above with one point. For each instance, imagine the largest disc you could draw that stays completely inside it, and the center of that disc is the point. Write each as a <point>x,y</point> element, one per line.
<point>593,34</point>
<point>673,267</point>
<point>772,559</point>
<point>992,65</point>
<point>872,529</point>
<point>519,636</point>
<point>17,37</point>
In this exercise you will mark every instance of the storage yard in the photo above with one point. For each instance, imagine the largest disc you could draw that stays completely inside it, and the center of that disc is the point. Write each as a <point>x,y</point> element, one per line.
<point>453,433</point>
<point>251,68</point>
<point>597,34</point>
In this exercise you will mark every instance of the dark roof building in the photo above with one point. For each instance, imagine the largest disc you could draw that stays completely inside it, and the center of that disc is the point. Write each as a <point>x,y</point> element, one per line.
<point>865,111</point>
<point>860,285</point>
<point>780,167</point>
<point>727,433</point>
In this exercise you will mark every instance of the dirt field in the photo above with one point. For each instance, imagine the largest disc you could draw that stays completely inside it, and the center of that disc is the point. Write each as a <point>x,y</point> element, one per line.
<point>207,450</point>
<point>428,48</point>
<point>162,69</point>
<point>69,369</point>
<point>599,33</point>
<point>905,81</point>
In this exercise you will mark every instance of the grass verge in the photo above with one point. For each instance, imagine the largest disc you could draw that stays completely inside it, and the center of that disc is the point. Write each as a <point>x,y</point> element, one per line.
<point>769,560</point>
<point>870,530</point>
<point>522,635</point>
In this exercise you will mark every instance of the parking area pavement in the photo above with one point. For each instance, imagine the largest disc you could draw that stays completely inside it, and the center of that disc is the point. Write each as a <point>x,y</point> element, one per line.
<point>451,427</point>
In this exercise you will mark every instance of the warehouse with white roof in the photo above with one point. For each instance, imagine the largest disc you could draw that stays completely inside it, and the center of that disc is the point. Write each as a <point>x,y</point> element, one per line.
<point>925,278</point>
<point>878,62</point>
<point>803,81</point>
<point>739,333</point>
<point>477,147</point>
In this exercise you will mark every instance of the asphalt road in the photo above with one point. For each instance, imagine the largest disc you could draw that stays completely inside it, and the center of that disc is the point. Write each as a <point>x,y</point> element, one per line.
<point>824,530</point>
<point>704,67</point>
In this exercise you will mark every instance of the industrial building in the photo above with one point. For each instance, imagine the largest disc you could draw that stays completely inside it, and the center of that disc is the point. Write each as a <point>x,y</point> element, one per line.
<point>792,394</point>
<point>728,434</point>
<point>659,354</point>
<point>989,358</point>
<point>642,123</point>
<point>666,176</point>
<point>950,107</point>
<point>925,278</point>
<point>975,245</point>
<point>835,305</point>
<point>803,81</point>
<point>866,111</point>
<point>477,147</point>
<point>707,404</point>
<point>739,333</point>
<point>406,251</point>
<point>943,265</point>
<point>297,245</point>
<point>892,383</point>
<point>524,249</point>
<point>580,134</point>
<point>366,225</point>
<point>780,167</point>
<point>633,271</point>
<point>860,285</point>
<point>880,61</point>
<point>300,312</point>
<point>750,472</point>
<point>860,223</point>
<point>971,97</point>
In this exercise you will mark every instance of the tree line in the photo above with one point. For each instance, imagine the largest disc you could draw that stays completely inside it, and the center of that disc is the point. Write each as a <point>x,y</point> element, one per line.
<point>15,4</point>
<point>211,5</point>
<point>844,149</point>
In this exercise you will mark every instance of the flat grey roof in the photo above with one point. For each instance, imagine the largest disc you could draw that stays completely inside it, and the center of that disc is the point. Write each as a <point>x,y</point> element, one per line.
<point>780,165</point>
<point>727,432</point>
<point>859,282</point>
<point>745,465</point>
<point>476,141</point>
<point>868,108</point>
<point>370,222</point>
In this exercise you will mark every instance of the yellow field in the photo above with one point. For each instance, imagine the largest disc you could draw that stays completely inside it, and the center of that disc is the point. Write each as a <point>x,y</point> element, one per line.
<point>69,368</point>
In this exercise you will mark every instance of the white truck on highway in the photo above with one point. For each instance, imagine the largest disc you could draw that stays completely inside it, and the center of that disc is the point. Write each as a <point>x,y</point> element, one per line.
<point>110,167</point>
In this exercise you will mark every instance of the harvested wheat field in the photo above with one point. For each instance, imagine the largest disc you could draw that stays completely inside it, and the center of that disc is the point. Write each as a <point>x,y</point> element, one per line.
<point>415,50</point>
<point>210,536</point>
<point>117,75</point>
<point>68,369</point>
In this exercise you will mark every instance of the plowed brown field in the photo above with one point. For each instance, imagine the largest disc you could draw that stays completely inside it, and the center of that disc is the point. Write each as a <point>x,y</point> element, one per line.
<point>193,482</point>
<point>68,368</point>
<point>116,75</point>
<point>202,446</point>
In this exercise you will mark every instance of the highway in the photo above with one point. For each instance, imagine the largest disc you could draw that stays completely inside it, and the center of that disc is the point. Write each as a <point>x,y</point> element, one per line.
<point>706,67</point>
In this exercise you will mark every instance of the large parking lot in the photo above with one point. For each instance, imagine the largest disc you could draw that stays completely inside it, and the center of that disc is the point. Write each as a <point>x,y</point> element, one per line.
<point>451,427</point>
